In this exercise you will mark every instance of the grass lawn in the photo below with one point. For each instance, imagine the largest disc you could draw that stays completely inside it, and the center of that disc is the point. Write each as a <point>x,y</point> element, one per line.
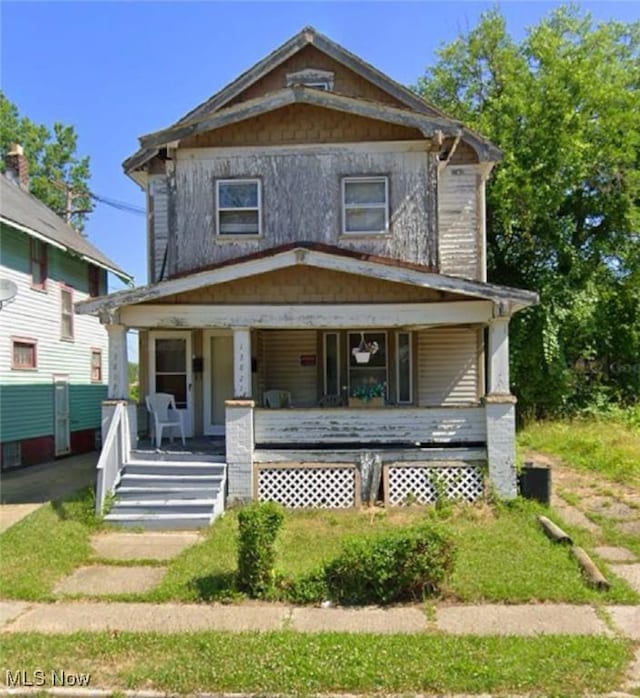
<point>303,664</point>
<point>502,554</point>
<point>606,444</point>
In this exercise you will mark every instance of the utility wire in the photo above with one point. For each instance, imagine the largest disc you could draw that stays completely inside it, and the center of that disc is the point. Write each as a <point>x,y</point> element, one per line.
<point>120,205</point>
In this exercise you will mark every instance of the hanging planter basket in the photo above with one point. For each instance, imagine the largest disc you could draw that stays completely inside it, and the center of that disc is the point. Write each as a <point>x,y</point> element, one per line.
<point>362,357</point>
<point>364,351</point>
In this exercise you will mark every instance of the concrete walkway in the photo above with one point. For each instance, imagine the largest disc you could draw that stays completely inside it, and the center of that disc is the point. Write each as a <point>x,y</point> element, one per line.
<point>25,489</point>
<point>486,619</point>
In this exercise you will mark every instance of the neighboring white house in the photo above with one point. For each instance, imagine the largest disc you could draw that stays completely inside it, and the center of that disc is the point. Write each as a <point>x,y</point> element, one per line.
<point>53,364</point>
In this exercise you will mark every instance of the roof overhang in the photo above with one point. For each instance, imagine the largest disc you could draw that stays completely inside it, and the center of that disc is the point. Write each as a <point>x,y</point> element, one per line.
<point>506,300</point>
<point>122,275</point>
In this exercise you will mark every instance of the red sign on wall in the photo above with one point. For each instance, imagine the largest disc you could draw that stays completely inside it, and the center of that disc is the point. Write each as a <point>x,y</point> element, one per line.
<point>308,360</point>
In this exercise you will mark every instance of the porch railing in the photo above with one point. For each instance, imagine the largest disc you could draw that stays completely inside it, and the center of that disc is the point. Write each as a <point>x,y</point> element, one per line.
<point>114,455</point>
<point>390,425</point>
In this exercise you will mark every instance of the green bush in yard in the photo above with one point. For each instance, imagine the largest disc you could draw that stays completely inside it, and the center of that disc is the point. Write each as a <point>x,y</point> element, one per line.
<point>405,565</point>
<point>258,526</point>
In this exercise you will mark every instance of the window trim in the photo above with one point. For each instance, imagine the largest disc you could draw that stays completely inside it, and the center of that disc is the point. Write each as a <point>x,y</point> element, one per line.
<point>346,206</point>
<point>41,261</point>
<point>239,180</point>
<point>95,351</point>
<point>66,289</point>
<point>397,367</point>
<point>324,362</point>
<point>33,343</point>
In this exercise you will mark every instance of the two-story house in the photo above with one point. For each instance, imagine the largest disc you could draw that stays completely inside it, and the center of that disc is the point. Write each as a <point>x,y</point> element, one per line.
<point>53,375</point>
<point>316,232</point>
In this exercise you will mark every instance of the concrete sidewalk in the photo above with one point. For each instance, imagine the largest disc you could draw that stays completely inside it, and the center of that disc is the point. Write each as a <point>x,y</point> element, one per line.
<point>485,619</point>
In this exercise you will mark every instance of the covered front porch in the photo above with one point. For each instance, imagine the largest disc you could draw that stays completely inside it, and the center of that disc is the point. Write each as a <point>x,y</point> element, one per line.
<point>296,324</point>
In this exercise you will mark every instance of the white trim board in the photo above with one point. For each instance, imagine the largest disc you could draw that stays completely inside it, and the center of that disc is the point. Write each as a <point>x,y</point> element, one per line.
<point>348,316</point>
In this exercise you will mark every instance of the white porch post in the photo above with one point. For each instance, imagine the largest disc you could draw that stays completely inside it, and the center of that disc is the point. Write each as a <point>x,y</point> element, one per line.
<point>118,363</point>
<point>242,362</point>
<point>500,412</point>
<point>499,356</point>
<point>118,387</point>
<point>239,438</point>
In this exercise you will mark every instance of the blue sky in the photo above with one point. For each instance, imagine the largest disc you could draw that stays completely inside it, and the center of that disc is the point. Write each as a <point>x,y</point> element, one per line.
<point>121,69</point>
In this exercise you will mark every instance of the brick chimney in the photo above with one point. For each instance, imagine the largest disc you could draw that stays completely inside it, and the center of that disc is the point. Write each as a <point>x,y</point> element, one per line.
<point>18,166</point>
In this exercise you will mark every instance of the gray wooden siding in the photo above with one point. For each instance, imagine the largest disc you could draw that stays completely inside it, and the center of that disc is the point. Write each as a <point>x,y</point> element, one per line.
<point>159,225</point>
<point>448,366</point>
<point>459,222</point>
<point>282,369</point>
<point>301,194</point>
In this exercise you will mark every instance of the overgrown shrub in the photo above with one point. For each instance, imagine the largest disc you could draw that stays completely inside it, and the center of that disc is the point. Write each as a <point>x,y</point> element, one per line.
<point>404,565</point>
<point>258,523</point>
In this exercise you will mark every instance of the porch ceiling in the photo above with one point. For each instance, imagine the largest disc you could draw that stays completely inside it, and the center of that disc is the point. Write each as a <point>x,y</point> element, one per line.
<point>506,300</point>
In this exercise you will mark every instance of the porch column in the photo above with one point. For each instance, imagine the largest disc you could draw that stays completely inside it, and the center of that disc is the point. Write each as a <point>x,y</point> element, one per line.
<point>242,362</point>
<point>239,441</point>
<point>118,387</point>
<point>500,413</point>
<point>499,356</point>
<point>118,363</point>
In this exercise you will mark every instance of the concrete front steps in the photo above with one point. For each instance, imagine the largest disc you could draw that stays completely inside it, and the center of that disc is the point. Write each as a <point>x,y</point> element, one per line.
<point>170,492</point>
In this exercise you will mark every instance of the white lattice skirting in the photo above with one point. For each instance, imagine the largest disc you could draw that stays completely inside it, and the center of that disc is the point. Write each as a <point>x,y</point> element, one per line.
<point>326,488</point>
<point>421,485</point>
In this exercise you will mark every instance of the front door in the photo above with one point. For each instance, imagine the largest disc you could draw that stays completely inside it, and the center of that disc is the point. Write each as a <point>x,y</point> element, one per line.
<point>61,415</point>
<point>218,379</point>
<point>170,371</point>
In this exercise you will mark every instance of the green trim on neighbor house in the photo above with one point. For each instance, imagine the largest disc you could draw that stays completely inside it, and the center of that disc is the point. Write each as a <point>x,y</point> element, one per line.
<point>26,410</point>
<point>15,253</point>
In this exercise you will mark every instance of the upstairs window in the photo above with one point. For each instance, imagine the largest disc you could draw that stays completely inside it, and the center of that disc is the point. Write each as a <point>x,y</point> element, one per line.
<point>365,205</point>
<point>238,203</point>
<point>94,274</point>
<point>38,264</point>
<point>66,313</point>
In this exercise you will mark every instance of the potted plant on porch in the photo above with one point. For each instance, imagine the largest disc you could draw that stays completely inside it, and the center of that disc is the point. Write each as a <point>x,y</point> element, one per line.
<point>368,395</point>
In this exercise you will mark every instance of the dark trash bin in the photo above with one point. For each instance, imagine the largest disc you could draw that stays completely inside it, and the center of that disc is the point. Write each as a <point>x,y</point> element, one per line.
<point>534,482</point>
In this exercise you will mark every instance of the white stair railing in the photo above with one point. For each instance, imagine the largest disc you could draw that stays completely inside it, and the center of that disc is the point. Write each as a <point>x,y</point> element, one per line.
<point>114,455</point>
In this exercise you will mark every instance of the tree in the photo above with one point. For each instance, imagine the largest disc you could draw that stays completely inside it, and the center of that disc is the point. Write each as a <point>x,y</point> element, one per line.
<point>52,159</point>
<point>563,207</point>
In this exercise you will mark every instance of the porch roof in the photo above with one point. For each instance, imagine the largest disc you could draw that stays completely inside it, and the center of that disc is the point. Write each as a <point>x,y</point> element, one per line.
<point>506,299</point>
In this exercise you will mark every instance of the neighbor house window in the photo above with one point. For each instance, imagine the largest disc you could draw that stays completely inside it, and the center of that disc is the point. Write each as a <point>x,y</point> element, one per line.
<point>96,366</point>
<point>94,274</point>
<point>38,264</point>
<point>23,353</point>
<point>404,367</point>
<point>365,205</point>
<point>238,204</point>
<point>66,313</point>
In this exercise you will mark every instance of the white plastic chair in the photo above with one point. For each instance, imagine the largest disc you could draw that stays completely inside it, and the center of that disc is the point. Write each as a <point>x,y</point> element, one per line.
<point>165,414</point>
<point>276,398</point>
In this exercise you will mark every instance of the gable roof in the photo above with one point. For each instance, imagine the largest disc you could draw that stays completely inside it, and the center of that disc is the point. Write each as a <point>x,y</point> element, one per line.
<point>310,36</point>
<point>23,211</point>
<point>314,255</point>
